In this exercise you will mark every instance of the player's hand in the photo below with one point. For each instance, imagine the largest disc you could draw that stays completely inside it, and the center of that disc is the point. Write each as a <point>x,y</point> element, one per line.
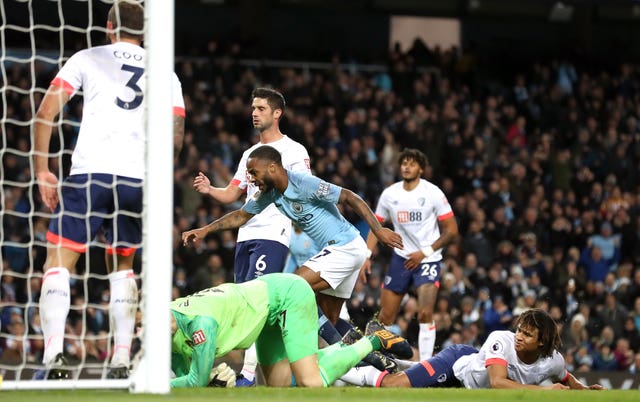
<point>558,385</point>
<point>413,261</point>
<point>201,183</point>
<point>222,376</point>
<point>193,235</point>
<point>389,238</point>
<point>365,270</point>
<point>48,186</point>
<point>596,387</point>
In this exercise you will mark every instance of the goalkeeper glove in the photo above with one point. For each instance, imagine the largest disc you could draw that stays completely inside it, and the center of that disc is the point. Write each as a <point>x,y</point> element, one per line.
<point>222,376</point>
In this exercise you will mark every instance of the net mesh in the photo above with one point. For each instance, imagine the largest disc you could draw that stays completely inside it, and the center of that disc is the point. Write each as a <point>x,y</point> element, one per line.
<point>37,37</point>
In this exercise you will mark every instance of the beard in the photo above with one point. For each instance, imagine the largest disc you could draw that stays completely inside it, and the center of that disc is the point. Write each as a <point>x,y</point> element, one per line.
<point>264,126</point>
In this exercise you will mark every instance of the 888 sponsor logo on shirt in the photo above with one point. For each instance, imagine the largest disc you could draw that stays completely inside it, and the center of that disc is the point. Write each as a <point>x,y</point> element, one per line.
<point>409,216</point>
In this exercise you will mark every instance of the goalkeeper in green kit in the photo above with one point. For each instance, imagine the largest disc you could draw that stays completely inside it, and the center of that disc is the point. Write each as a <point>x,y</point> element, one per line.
<point>278,312</point>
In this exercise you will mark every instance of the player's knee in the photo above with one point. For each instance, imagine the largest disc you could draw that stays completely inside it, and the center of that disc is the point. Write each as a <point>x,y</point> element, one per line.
<point>425,315</point>
<point>386,317</point>
<point>309,381</point>
<point>397,380</point>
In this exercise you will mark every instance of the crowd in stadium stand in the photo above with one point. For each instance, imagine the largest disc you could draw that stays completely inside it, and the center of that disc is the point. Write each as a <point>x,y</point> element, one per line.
<point>542,168</point>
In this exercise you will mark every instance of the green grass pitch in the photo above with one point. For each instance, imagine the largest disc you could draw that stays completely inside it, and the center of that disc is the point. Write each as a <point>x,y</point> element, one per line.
<point>336,394</point>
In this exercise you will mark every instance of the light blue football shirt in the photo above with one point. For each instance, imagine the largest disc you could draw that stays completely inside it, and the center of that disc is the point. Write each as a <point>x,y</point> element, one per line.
<point>310,203</point>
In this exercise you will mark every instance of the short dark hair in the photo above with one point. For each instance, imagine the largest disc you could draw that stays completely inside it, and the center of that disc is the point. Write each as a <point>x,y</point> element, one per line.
<point>274,98</point>
<point>546,326</point>
<point>415,155</point>
<point>127,18</point>
<point>267,153</point>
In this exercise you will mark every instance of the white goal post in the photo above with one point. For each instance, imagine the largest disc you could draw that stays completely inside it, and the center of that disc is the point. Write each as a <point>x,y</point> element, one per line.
<point>151,373</point>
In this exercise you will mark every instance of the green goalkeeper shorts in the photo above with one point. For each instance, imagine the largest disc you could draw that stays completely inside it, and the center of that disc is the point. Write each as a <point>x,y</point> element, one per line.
<point>291,330</point>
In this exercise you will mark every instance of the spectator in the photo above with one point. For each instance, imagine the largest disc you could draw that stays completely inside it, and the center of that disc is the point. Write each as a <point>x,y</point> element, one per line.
<point>623,354</point>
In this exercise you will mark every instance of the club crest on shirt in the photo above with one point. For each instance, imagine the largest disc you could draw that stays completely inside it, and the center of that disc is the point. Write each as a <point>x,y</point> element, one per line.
<point>296,207</point>
<point>497,347</point>
<point>323,189</point>
<point>199,337</point>
<point>421,201</point>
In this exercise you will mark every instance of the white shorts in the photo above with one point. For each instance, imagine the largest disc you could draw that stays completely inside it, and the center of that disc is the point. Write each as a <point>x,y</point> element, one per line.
<point>339,266</point>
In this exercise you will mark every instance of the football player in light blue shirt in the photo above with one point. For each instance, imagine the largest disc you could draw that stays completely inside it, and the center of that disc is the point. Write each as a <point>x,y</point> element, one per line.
<point>310,203</point>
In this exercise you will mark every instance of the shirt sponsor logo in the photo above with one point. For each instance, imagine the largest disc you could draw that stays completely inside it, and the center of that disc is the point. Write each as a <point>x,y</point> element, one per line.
<point>199,337</point>
<point>304,220</point>
<point>409,216</point>
<point>307,163</point>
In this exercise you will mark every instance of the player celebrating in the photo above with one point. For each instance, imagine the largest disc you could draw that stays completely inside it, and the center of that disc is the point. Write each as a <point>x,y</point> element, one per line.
<point>311,204</point>
<point>112,78</point>
<point>525,359</point>
<point>263,242</point>
<point>420,212</point>
<point>278,312</point>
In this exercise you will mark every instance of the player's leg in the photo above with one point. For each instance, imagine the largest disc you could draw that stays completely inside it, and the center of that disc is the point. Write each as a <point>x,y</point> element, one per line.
<point>123,305</point>
<point>332,274</point>
<point>54,307</point>
<point>124,237</point>
<point>434,372</point>
<point>290,333</point>
<point>426,279</point>
<point>327,330</point>
<point>255,258</point>
<point>397,281</point>
<point>277,374</point>
<point>67,238</point>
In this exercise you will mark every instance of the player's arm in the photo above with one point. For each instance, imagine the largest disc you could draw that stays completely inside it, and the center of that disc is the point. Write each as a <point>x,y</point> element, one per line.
<point>178,135</point>
<point>203,332</point>
<point>498,379</point>
<point>448,233</point>
<point>232,220</point>
<point>52,104</point>
<point>365,270</point>
<point>572,382</point>
<point>386,236</point>
<point>224,195</point>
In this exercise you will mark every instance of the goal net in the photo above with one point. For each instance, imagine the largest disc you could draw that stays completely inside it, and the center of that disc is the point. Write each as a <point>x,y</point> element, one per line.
<point>37,37</point>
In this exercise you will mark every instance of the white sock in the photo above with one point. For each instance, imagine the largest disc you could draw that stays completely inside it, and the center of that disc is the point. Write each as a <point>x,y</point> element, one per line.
<point>405,364</point>
<point>250,363</point>
<point>426,340</point>
<point>123,306</point>
<point>360,376</point>
<point>54,307</point>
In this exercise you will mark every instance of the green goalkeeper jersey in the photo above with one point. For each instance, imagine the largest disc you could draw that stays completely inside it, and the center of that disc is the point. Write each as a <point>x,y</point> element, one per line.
<point>213,322</point>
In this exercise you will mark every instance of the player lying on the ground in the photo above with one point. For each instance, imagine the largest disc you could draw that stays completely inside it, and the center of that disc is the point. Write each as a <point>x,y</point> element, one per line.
<point>279,313</point>
<point>527,358</point>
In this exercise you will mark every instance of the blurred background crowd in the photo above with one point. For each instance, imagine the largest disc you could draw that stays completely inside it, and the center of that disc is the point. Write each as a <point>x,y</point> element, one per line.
<point>541,166</point>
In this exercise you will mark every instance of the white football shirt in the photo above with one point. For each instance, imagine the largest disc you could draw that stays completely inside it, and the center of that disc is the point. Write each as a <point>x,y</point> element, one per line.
<point>112,79</point>
<point>415,215</point>
<point>499,348</point>
<point>270,224</point>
